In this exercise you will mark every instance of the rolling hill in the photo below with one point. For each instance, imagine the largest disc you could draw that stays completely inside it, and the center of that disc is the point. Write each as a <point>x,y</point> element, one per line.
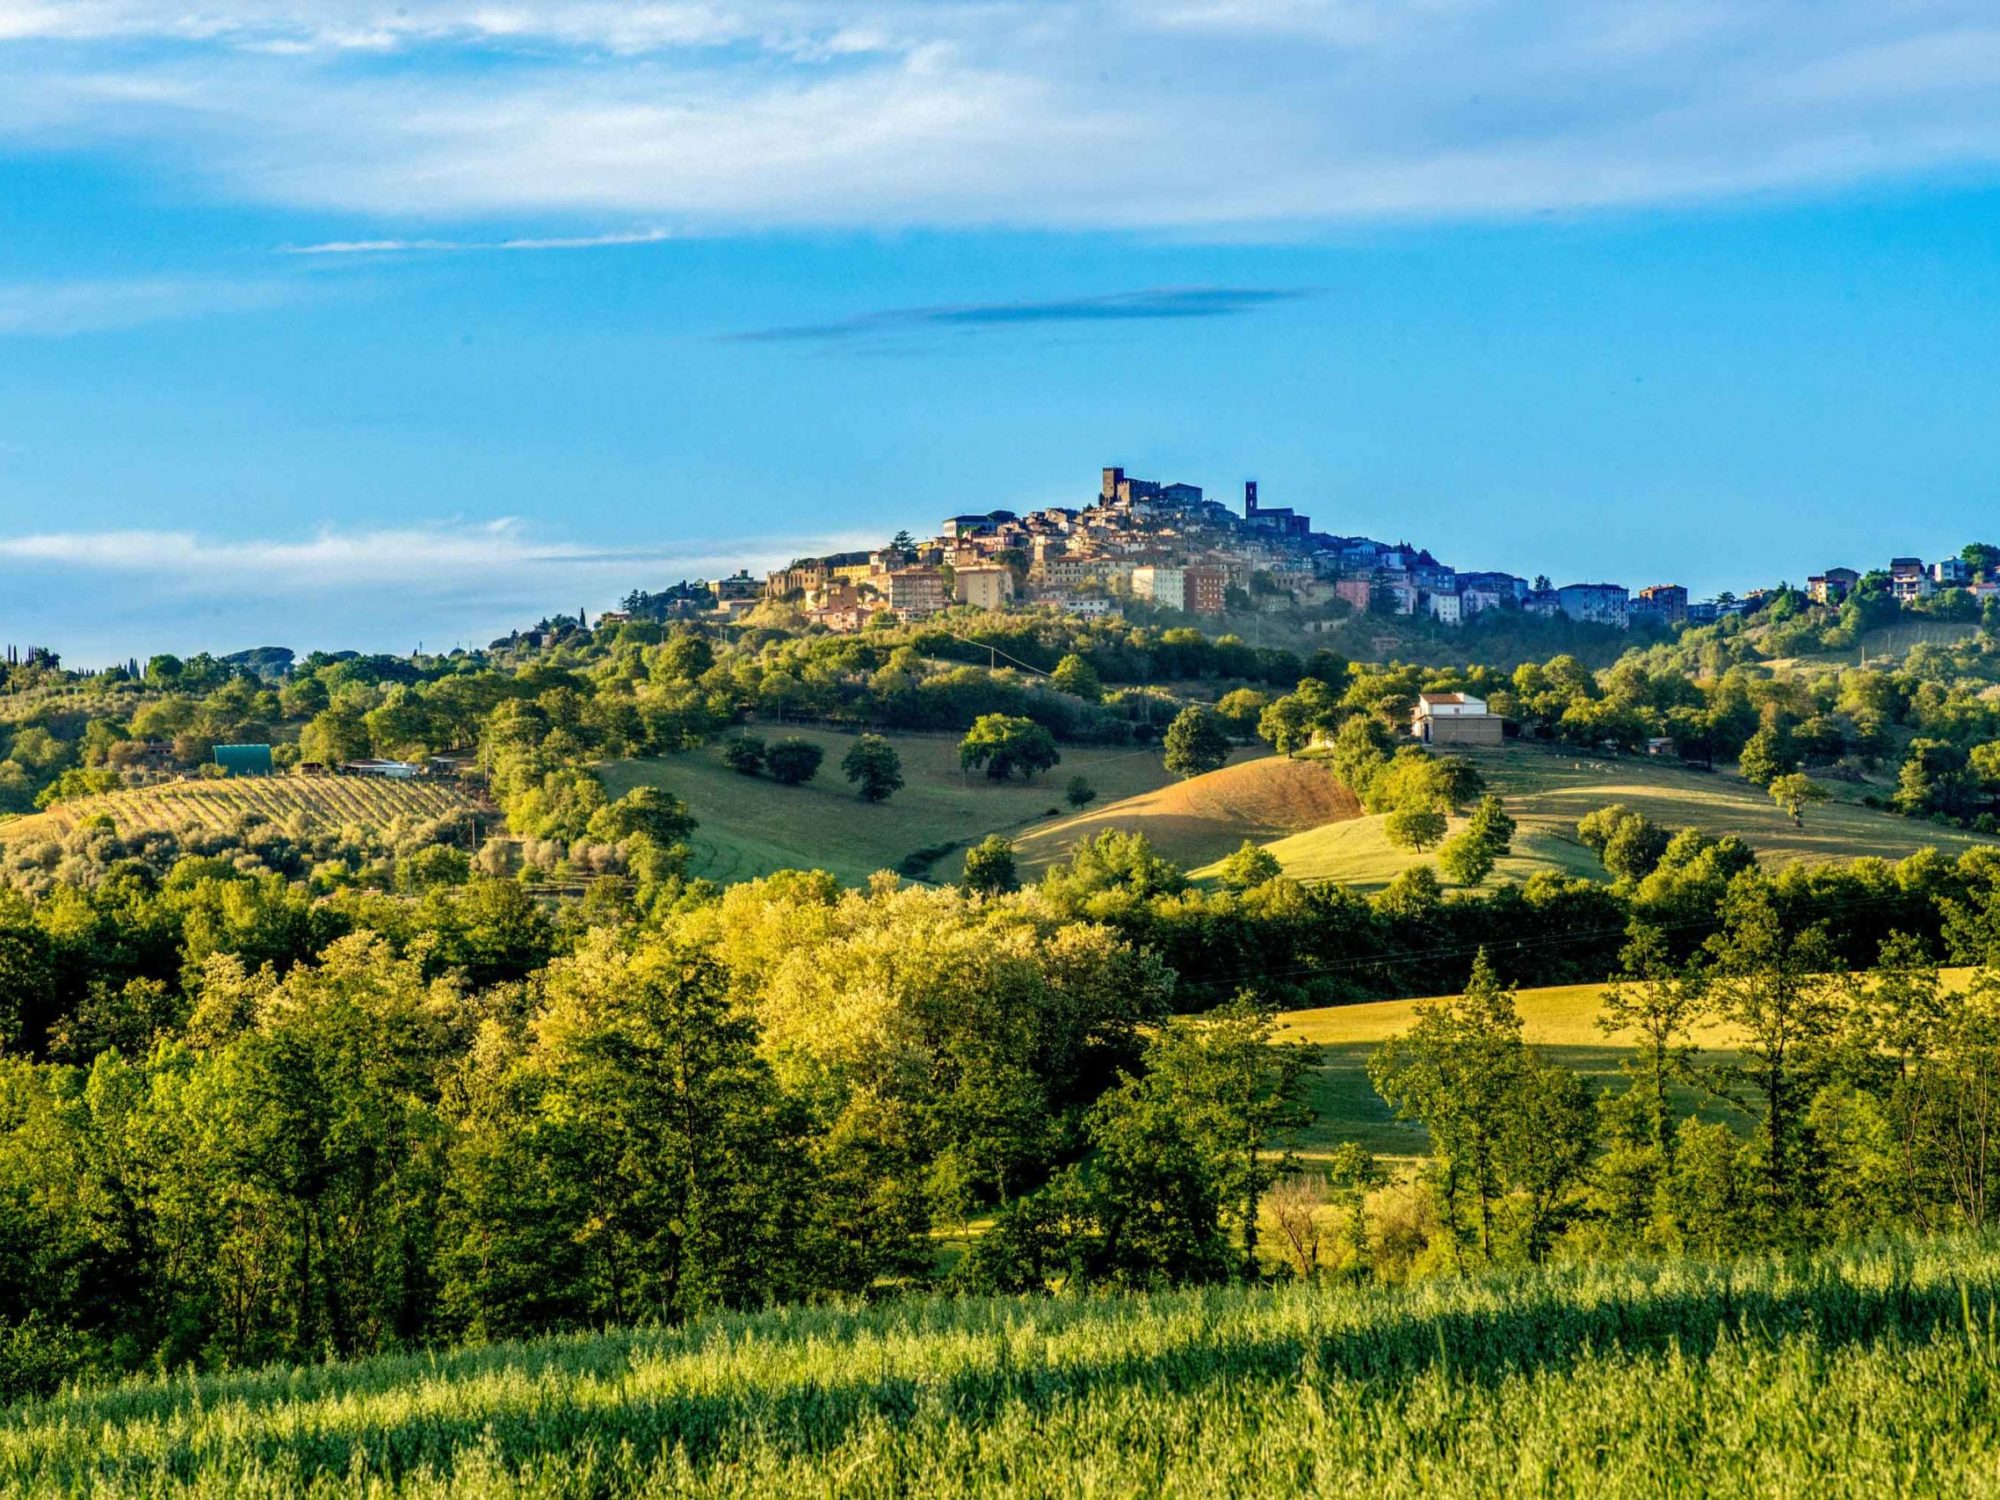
<point>1547,790</point>
<point>1192,822</point>
<point>1561,1020</point>
<point>751,826</point>
<point>319,802</point>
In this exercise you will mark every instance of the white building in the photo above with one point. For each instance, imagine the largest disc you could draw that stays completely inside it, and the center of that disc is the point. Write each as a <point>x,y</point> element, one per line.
<point>1446,609</point>
<point>1160,585</point>
<point>1455,719</point>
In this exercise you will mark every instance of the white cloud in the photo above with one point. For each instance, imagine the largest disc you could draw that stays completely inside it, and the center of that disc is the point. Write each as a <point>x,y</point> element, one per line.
<point>544,242</point>
<point>369,589</point>
<point>494,559</point>
<point>1205,115</point>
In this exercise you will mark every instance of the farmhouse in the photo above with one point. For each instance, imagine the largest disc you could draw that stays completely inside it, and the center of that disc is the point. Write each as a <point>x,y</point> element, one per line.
<point>1455,719</point>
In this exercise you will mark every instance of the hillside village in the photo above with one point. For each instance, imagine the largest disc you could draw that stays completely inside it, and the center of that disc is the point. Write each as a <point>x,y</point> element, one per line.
<point>1170,546</point>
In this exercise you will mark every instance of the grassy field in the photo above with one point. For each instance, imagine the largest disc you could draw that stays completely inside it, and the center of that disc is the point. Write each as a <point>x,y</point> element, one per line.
<point>751,826</point>
<point>1547,790</point>
<point>1560,1020</point>
<point>1869,1371</point>
<point>318,802</point>
<point>1193,822</point>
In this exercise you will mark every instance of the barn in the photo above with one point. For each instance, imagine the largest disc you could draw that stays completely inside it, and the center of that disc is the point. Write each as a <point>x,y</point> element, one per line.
<point>244,760</point>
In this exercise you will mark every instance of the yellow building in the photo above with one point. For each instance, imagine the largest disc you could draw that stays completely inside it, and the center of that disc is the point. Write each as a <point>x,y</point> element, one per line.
<point>983,588</point>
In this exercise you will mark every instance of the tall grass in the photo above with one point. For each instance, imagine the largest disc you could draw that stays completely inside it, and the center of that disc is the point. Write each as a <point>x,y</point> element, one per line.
<point>1875,1370</point>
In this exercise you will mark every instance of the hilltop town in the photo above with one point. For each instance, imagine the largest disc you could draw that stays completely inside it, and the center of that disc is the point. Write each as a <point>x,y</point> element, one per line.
<point>1172,547</point>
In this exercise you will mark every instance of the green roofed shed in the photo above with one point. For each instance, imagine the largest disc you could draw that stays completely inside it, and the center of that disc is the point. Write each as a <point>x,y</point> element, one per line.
<point>244,760</point>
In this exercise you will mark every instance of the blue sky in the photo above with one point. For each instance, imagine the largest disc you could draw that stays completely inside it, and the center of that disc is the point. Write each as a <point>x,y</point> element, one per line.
<point>340,323</point>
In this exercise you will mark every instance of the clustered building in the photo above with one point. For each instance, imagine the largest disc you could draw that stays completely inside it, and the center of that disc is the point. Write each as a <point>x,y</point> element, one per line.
<point>1169,545</point>
<point>1909,579</point>
<point>1162,544</point>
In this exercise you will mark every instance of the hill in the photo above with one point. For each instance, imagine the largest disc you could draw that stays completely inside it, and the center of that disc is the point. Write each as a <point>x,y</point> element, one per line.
<point>1547,790</point>
<point>1201,819</point>
<point>1560,1020</point>
<point>751,826</point>
<point>320,803</point>
<point>1866,1371</point>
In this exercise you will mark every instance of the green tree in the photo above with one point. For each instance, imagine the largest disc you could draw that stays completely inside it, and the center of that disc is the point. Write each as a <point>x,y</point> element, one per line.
<point>1933,779</point>
<point>1488,837</point>
<point>1079,794</point>
<point>1115,861</point>
<point>1630,844</point>
<point>792,762</point>
<point>1249,867</point>
<point>1195,743</point>
<point>1658,1003</point>
<point>989,867</point>
<point>649,810</point>
<point>1794,793</point>
<point>1777,988</point>
<point>1003,744</point>
<point>1239,1095</point>
<point>1415,826</point>
<point>1768,755</point>
<point>1508,1130</point>
<point>1291,723</point>
<point>335,736</point>
<point>643,1135</point>
<point>1241,709</point>
<point>1076,676</point>
<point>874,766</point>
<point>684,656</point>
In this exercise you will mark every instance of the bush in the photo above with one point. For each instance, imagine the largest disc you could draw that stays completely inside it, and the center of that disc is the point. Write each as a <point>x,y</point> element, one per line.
<point>745,754</point>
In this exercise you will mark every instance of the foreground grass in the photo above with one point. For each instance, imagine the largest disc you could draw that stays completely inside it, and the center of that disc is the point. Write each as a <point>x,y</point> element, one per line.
<point>1873,1371</point>
<point>1547,790</point>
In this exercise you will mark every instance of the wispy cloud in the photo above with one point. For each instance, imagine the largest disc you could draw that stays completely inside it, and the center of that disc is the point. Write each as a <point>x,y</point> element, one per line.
<point>456,247</point>
<point>1182,115</point>
<point>367,588</point>
<point>1119,307</point>
<point>452,560</point>
<point>56,309</point>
